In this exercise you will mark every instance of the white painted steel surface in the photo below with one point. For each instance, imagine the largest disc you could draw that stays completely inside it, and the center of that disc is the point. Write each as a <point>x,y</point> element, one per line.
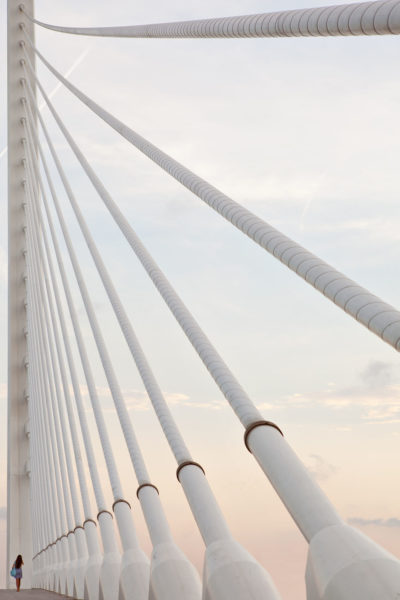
<point>369,310</point>
<point>307,504</point>
<point>344,564</point>
<point>200,497</point>
<point>109,572</point>
<point>19,524</point>
<point>365,18</point>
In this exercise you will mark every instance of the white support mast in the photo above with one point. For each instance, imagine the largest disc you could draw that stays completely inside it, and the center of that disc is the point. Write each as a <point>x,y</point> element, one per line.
<point>19,530</point>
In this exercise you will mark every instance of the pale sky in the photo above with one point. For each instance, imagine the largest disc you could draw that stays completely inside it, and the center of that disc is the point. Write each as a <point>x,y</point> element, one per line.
<point>304,132</point>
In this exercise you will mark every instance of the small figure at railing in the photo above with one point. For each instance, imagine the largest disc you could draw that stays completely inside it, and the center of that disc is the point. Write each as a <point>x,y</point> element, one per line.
<point>16,570</point>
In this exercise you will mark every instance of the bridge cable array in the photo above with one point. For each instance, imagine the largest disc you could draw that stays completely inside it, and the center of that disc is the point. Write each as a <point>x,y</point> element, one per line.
<point>68,557</point>
<point>378,316</point>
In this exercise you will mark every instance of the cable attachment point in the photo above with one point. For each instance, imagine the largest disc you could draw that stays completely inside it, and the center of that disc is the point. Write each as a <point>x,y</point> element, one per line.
<point>185,464</point>
<point>120,500</point>
<point>146,485</point>
<point>252,426</point>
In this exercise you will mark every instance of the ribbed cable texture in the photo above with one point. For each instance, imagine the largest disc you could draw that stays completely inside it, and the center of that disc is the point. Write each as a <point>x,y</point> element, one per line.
<point>40,482</point>
<point>77,394</point>
<point>100,423</point>
<point>366,18</point>
<point>51,378</point>
<point>378,316</point>
<point>52,474</point>
<point>46,526</point>
<point>94,474</point>
<point>132,444</point>
<point>230,387</point>
<point>116,393</point>
<point>164,415</point>
<point>48,325</point>
<point>58,417</point>
<point>71,418</point>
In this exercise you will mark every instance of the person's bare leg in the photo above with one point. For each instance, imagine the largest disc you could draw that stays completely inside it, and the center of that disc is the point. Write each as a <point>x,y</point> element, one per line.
<point>18,584</point>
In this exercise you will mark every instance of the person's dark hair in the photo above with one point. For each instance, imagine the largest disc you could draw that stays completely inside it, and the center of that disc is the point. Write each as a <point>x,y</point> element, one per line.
<point>18,562</point>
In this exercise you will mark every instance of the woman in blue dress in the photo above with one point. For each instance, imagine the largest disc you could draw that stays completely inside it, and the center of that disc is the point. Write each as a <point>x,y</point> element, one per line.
<point>17,567</point>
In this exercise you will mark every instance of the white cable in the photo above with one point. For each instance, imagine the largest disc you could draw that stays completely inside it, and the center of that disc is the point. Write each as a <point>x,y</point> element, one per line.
<point>365,18</point>
<point>378,316</point>
<point>161,408</point>
<point>106,445</point>
<point>71,417</point>
<point>132,444</point>
<point>50,473</point>
<point>53,384</point>
<point>280,457</point>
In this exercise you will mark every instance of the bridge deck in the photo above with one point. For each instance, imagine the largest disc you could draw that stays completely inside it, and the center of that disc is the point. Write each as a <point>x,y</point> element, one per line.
<point>29,595</point>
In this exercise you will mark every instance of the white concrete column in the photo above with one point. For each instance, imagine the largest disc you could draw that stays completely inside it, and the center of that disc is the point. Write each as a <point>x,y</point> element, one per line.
<point>19,530</point>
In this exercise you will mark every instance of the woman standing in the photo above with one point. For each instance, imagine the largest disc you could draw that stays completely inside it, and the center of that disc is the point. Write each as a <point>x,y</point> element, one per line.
<point>17,570</point>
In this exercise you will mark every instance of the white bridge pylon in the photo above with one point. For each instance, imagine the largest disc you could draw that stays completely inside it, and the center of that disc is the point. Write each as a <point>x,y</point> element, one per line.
<point>73,547</point>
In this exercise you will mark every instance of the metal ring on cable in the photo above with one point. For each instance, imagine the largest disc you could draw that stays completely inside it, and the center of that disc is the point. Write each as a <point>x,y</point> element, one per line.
<point>89,521</point>
<point>120,500</point>
<point>252,426</point>
<point>185,464</point>
<point>103,511</point>
<point>146,485</point>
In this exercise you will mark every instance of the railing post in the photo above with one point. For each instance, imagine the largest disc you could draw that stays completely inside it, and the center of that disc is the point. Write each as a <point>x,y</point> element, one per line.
<point>19,530</point>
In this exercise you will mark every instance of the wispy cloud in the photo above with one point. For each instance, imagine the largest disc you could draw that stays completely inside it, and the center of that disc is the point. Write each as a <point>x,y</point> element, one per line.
<point>320,468</point>
<point>137,400</point>
<point>360,522</point>
<point>376,394</point>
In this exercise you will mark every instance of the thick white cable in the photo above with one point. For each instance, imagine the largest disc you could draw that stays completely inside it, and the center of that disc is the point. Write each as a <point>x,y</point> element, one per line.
<point>37,477</point>
<point>100,423</point>
<point>40,483</point>
<point>46,504</point>
<point>56,407</point>
<point>63,553</point>
<point>368,309</point>
<point>94,473</point>
<point>101,426</point>
<point>46,526</point>
<point>365,18</point>
<point>206,511</point>
<point>161,408</point>
<point>129,434</point>
<point>135,569</point>
<point>65,383</point>
<point>56,365</point>
<point>50,475</point>
<point>235,394</point>
<point>52,378</point>
<point>173,435</point>
<point>41,506</point>
<point>279,460</point>
<point>53,499</point>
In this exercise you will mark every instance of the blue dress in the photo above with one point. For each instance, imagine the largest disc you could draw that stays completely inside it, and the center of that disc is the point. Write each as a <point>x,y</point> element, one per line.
<point>18,572</point>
